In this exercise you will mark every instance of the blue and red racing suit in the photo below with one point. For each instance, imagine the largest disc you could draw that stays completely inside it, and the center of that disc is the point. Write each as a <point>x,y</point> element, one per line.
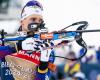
<point>10,60</point>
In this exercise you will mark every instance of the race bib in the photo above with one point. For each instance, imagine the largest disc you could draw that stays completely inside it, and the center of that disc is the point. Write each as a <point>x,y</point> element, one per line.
<point>34,57</point>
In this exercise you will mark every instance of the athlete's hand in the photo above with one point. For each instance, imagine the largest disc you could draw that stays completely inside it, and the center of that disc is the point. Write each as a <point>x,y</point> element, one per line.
<point>45,54</point>
<point>31,44</point>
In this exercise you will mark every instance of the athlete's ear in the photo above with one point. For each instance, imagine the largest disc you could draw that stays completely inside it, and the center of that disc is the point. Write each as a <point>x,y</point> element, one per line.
<point>20,28</point>
<point>22,23</point>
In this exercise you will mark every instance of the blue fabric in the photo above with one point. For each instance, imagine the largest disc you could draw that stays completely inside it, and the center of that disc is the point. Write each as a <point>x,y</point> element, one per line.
<point>34,3</point>
<point>98,56</point>
<point>52,58</point>
<point>81,51</point>
<point>5,73</point>
<point>5,47</point>
<point>5,50</point>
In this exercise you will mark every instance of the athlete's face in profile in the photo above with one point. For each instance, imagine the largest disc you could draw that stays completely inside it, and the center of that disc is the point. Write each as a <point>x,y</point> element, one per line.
<point>31,19</point>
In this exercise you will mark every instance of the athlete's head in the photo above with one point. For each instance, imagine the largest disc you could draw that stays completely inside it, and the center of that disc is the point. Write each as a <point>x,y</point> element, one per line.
<point>31,13</point>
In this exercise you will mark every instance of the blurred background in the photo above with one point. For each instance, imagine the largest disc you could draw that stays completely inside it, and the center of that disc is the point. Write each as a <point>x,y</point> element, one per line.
<point>57,15</point>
